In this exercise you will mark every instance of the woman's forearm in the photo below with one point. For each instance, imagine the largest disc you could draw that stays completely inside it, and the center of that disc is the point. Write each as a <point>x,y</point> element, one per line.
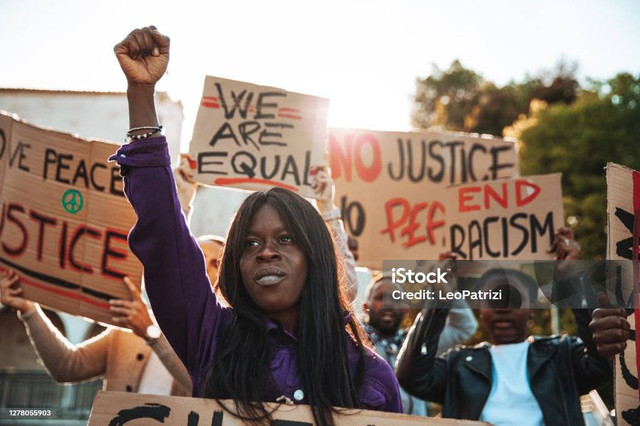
<point>336,227</point>
<point>64,362</point>
<point>142,108</point>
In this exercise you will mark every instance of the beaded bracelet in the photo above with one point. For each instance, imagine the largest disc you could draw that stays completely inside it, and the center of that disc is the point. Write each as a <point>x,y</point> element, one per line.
<point>153,130</point>
<point>133,129</point>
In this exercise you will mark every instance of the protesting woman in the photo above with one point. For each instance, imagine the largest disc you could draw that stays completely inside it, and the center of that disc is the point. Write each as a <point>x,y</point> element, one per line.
<point>288,335</point>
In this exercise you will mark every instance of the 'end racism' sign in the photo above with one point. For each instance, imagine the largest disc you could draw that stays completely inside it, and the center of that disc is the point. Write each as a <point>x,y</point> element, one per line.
<point>255,137</point>
<point>416,195</point>
<point>64,220</point>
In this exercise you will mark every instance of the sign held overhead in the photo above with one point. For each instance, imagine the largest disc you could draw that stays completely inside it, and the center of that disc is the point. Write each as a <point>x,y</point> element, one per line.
<point>255,137</point>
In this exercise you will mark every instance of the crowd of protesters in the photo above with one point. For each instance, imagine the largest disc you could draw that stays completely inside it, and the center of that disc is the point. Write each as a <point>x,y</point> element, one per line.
<point>265,314</point>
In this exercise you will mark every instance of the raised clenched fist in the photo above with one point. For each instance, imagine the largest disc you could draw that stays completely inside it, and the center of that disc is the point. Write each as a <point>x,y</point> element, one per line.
<point>143,55</point>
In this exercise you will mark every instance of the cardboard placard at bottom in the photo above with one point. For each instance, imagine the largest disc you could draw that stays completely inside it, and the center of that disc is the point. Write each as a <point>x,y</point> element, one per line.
<point>119,408</point>
<point>626,396</point>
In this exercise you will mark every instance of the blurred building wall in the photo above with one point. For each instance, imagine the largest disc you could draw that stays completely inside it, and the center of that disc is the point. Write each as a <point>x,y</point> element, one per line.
<point>102,115</point>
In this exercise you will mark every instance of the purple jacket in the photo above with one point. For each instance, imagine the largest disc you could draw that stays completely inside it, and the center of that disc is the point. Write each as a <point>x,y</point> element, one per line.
<point>182,298</point>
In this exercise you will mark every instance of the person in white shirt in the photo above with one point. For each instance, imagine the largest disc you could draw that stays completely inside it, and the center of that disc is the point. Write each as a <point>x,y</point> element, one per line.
<point>516,379</point>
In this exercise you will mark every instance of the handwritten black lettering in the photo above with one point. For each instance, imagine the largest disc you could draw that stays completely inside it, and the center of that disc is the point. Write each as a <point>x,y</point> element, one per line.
<point>236,100</point>
<point>19,152</point>
<point>157,412</point>
<point>261,105</point>
<point>203,164</point>
<point>348,211</point>
<point>3,143</point>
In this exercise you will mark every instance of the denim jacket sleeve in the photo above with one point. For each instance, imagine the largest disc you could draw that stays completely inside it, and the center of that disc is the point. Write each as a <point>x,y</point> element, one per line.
<point>174,269</point>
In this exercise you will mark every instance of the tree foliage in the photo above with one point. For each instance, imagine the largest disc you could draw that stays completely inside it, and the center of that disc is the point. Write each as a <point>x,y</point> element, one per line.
<point>602,125</point>
<point>446,97</point>
<point>460,99</point>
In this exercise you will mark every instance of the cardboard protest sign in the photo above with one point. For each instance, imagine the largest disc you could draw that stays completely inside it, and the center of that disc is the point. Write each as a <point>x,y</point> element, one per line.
<point>256,137</point>
<point>623,213</point>
<point>401,196</point>
<point>418,160</point>
<point>64,220</point>
<point>118,408</point>
<point>511,219</point>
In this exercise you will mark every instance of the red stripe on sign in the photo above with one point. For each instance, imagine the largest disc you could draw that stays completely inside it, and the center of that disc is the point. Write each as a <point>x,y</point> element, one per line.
<point>66,293</point>
<point>72,295</point>
<point>636,270</point>
<point>288,110</point>
<point>210,104</point>
<point>210,98</point>
<point>295,117</point>
<point>231,181</point>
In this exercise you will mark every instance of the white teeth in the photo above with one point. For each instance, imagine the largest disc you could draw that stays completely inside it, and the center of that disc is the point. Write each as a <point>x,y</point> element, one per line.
<point>269,279</point>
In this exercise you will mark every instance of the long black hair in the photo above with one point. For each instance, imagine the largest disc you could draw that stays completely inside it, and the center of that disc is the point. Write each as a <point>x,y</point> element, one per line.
<point>240,365</point>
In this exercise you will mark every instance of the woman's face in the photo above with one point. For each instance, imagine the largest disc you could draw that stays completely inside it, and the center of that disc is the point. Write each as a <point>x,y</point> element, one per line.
<point>506,320</point>
<point>273,267</point>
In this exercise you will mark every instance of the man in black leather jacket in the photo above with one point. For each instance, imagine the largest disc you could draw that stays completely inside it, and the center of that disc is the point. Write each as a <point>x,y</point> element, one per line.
<point>558,368</point>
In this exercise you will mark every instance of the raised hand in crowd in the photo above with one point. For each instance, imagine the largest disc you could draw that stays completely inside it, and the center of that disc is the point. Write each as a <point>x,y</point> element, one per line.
<point>11,292</point>
<point>565,245</point>
<point>143,55</point>
<point>447,261</point>
<point>324,187</point>
<point>609,327</point>
<point>132,314</point>
<point>567,252</point>
<point>187,187</point>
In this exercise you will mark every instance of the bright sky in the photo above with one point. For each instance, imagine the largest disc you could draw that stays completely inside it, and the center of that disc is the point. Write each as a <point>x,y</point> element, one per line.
<point>363,55</point>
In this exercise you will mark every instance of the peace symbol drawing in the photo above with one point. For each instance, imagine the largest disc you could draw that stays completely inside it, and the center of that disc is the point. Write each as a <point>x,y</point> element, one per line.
<point>72,201</point>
